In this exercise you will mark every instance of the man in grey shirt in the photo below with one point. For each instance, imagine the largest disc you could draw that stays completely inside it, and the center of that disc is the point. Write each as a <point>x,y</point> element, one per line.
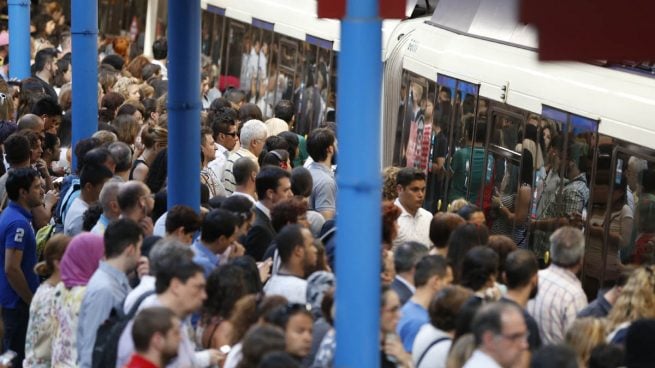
<point>322,147</point>
<point>109,285</point>
<point>92,179</point>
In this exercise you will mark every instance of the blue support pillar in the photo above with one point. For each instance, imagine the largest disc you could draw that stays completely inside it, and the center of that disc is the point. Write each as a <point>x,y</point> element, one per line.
<point>358,219</point>
<point>184,103</point>
<point>84,34</point>
<point>19,38</point>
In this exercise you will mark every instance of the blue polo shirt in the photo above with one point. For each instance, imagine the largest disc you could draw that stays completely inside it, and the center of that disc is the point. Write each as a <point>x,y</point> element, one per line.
<point>413,317</point>
<point>16,232</point>
<point>204,257</point>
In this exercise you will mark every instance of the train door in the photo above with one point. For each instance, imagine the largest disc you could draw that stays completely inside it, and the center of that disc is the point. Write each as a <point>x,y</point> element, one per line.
<point>259,73</point>
<point>289,69</point>
<point>510,185</point>
<point>237,53</point>
<point>213,29</point>
<point>312,101</point>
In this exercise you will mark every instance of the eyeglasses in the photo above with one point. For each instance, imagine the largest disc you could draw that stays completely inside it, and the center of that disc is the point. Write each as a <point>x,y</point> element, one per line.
<point>233,134</point>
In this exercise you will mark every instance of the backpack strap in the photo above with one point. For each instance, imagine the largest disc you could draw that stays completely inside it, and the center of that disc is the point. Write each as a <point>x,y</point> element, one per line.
<point>138,302</point>
<point>425,352</point>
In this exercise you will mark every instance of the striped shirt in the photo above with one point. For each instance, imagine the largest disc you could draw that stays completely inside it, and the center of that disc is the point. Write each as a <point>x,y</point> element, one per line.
<point>557,303</point>
<point>228,176</point>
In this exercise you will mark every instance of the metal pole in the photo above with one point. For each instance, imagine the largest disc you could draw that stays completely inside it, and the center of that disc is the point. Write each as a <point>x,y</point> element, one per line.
<point>19,38</point>
<point>184,103</point>
<point>359,186</point>
<point>84,37</point>
<point>151,27</point>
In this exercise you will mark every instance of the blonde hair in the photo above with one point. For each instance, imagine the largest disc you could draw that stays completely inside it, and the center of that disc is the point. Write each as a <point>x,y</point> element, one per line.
<point>584,334</point>
<point>53,251</point>
<point>457,205</point>
<point>461,351</point>
<point>105,136</point>
<point>123,84</point>
<point>637,299</point>
<point>389,191</point>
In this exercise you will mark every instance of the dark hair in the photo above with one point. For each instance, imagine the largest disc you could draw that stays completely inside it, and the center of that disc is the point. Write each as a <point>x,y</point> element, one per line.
<point>478,265</point>
<point>250,111</point>
<point>461,240</point>
<point>160,49</point>
<point>407,175</point>
<point>281,315</point>
<point>240,206</point>
<point>467,211</point>
<point>158,172</point>
<point>50,142</point>
<point>115,60</point>
<point>216,223</point>
<point>442,225</point>
<point>17,149</point>
<point>287,212</point>
<point>180,268</point>
<point>221,120</point>
<point>249,309</point>
<point>147,323</point>
<point>301,182</point>
<point>129,195</point>
<point>502,245</point>
<point>252,283</point>
<point>284,110</point>
<point>606,356</point>
<point>259,341</point>
<point>278,359</point>
<point>220,104</point>
<point>18,179</point>
<point>119,235</point>
<point>269,178</point>
<point>554,356</point>
<point>489,318</point>
<point>182,216</point>
<point>407,255</point>
<point>428,267</point>
<point>390,214</point>
<point>94,174</point>
<point>46,105</point>
<point>287,240</point>
<point>242,169</point>
<point>318,142</point>
<point>277,157</point>
<point>292,141</point>
<point>520,266</point>
<point>129,108</point>
<point>42,58</point>
<point>91,216</point>
<point>225,286</point>
<point>446,305</point>
<point>149,71</point>
<point>81,149</point>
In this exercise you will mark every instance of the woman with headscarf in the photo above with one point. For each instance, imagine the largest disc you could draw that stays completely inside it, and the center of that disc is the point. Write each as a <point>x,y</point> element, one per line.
<point>80,261</point>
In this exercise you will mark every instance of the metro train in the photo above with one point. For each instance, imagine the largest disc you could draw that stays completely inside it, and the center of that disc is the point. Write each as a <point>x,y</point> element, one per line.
<point>466,99</point>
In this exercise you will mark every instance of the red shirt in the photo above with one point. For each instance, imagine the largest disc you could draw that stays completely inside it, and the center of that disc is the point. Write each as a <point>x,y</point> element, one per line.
<point>137,361</point>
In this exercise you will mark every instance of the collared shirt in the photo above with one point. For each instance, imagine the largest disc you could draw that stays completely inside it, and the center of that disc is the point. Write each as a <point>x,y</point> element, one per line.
<point>137,361</point>
<point>557,303</point>
<point>101,225</point>
<point>599,308</point>
<point>406,283</point>
<point>575,195</point>
<point>204,257</point>
<point>480,359</point>
<point>324,190</point>
<point>16,233</point>
<point>413,228</point>
<point>252,199</point>
<point>106,289</point>
<point>413,317</point>
<point>75,217</point>
<point>209,178</point>
<point>218,164</point>
<point>264,209</point>
<point>228,176</point>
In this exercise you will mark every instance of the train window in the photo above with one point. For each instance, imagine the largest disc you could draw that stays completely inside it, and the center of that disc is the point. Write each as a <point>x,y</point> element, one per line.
<point>262,78</point>
<point>288,69</point>
<point>212,36</point>
<point>238,51</point>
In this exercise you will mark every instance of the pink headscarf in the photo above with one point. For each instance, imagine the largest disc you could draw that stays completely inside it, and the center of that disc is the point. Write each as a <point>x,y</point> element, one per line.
<point>81,259</point>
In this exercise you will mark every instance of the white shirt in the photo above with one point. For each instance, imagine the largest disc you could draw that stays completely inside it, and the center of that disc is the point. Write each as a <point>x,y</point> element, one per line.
<point>413,228</point>
<point>558,301</point>
<point>75,217</point>
<point>160,226</point>
<point>291,287</point>
<point>164,71</point>
<point>217,166</point>
<point>264,209</point>
<point>481,360</point>
<point>146,284</point>
<point>252,199</point>
<point>438,354</point>
<point>234,356</point>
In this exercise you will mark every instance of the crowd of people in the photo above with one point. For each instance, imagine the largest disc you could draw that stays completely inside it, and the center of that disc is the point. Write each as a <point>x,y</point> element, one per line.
<point>98,271</point>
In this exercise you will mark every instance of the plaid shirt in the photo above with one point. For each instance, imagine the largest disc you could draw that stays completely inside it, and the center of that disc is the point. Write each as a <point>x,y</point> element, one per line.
<point>557,303</point>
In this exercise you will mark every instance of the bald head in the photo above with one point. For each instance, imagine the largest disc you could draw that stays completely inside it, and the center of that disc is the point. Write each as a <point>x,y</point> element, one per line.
<point>31,122</point>
<point>130,193</point>
<point>109,198</point>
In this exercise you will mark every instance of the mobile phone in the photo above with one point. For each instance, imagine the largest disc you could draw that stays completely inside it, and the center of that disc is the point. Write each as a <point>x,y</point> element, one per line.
<point>7,357</point>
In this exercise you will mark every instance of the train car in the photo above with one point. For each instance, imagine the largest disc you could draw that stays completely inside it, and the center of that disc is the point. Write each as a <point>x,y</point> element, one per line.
<point>534,145</point>
<point>275,50</point>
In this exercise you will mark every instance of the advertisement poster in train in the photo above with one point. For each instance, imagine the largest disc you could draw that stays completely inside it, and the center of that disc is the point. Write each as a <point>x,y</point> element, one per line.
<point>417,153</point>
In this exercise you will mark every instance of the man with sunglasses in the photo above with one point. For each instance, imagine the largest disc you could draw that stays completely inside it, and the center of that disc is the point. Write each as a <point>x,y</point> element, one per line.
<point>224,130</point>
<point>500,335</point>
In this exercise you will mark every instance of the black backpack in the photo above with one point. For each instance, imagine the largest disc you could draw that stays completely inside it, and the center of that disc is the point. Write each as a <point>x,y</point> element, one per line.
<point>105,349</point>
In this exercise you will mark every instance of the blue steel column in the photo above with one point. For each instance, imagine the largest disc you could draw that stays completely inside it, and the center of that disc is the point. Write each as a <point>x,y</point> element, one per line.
<point>358,220</point>
<point>19,38</point>
<point>184,103</point>
<point>84,37</point>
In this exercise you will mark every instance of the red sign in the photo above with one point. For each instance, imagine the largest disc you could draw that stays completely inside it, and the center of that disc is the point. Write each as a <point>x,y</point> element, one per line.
<point>389,9</point>
<point>592,29</point>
